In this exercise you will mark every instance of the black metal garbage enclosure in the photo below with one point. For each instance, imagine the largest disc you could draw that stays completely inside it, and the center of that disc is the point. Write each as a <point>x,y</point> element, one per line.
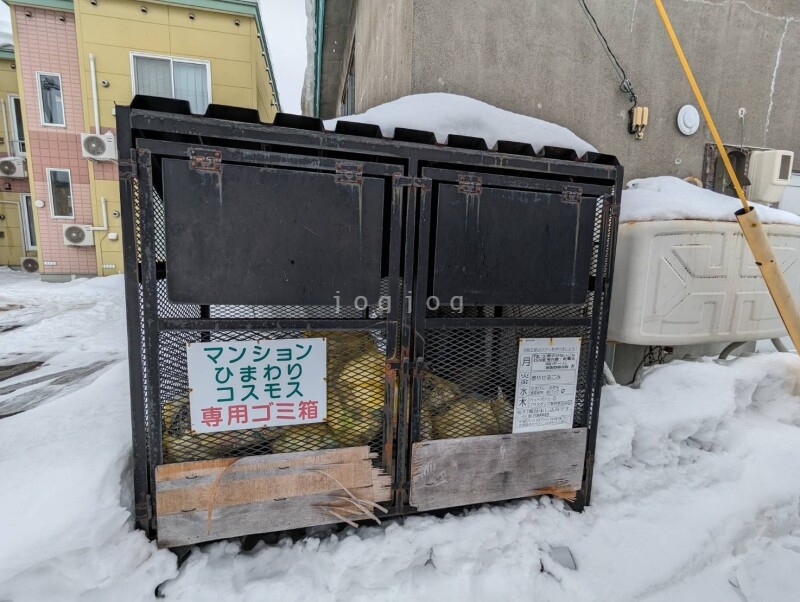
<point>449,302</point>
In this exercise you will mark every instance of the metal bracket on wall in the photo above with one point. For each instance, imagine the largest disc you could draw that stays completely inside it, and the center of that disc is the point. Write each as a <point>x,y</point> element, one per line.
<point>349,173</point>
<point>205,160</point>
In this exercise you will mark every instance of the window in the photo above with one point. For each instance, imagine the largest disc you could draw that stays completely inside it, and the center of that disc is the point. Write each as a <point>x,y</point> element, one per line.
<point>173,78</point>
<point>60,185</point>
<point>51,101</point>
<point>17,131</point>
<point>29,232</point>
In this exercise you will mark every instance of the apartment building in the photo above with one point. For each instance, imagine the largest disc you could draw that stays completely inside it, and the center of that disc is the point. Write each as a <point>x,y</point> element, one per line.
<point>75,61</point>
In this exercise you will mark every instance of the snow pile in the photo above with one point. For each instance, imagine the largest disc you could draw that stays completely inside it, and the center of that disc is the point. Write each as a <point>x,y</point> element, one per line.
<point>695,497</point>
<point>670,198</point>
<point>66,533</point>
<point>445,114</point>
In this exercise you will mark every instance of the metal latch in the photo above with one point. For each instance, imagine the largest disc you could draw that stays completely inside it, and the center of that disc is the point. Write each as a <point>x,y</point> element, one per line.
<point>571,194</point>
<point>469,184</point>
<point>349,173</point>
<point>128,169</point>
<point>422,183</point>
<point>205,160</point>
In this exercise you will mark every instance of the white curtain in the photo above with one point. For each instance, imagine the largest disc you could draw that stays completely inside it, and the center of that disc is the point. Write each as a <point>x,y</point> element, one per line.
<point>152,76</point>
<point>191,83</point>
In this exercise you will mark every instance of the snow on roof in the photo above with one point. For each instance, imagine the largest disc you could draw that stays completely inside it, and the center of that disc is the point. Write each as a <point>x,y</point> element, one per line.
<point>445,114</point>
<point>670,198</point>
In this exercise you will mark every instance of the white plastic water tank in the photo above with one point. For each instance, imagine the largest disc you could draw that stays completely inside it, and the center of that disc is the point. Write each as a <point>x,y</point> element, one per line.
<point>683,282</point>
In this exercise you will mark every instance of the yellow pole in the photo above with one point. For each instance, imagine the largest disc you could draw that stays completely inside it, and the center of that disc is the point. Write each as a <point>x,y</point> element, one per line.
<point>748,219</point>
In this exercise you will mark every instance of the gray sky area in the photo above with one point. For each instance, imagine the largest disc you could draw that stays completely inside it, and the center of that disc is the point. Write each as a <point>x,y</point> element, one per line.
<point>285,23</point>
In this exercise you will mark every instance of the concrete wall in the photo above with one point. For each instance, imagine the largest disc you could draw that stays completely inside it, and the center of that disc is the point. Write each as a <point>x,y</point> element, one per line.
<point>383,54</point>
<point>541,58</point>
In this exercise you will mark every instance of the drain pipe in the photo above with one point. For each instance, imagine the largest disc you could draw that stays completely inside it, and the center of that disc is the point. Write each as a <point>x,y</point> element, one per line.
<point>5,128</point>
<point>104,203</point>
<point>95,103</point>
<point>746,216</point>
<point>730,349</point>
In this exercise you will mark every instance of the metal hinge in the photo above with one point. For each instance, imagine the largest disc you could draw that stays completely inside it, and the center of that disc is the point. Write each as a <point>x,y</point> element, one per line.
<point>422,183</point>
<point>571,194</point>
<point>469,184</point>
<point>614,210</point>
<point>128,169</point>
<point>349,173</point>
<point>205,160</point>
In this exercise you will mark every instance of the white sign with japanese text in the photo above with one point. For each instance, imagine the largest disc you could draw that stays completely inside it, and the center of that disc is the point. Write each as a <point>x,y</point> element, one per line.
<point>547,377</point>
<point>236,385</point>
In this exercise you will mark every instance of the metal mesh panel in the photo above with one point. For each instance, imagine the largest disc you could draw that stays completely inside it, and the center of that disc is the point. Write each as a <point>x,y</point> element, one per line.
<point>468,385</point>
<point>356,399</point>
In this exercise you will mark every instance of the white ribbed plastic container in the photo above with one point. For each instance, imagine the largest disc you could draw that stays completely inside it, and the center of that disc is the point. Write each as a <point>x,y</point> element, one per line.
<point>684,282</point>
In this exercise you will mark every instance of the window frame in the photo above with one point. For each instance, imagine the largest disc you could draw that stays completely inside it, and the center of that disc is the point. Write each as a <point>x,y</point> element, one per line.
<point>171,59</point>
<point>27,221</point>
<point>48,171</point>
<point>14,150</point>
<point>41,104</point>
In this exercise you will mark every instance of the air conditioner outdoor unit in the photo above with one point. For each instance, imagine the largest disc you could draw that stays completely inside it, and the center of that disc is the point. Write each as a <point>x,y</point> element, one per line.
<point>13,167</point>
<point>99,147</point>
<point>769,173</point>
<point>29,264</point>
<point>78,236</point>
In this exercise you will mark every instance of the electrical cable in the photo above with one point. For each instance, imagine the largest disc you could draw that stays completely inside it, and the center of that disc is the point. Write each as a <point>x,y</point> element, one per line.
<point>625,85</point>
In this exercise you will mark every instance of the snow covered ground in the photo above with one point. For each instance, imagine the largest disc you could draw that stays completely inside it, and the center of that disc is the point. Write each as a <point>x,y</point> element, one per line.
<point>697,495</point>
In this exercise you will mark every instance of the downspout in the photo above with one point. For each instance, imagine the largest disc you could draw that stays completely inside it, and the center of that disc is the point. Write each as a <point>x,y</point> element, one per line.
<point>318,55</point>
<point>95,103</point>
<point>104,203</point>
<point>5,127</point>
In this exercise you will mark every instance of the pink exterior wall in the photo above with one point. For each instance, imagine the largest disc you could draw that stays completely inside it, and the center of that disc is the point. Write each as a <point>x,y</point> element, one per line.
<point>50,45</point>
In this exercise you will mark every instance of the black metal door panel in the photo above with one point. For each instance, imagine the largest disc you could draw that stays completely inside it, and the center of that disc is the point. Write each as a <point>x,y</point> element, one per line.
<point>255,235</point>
<point>507,247</point>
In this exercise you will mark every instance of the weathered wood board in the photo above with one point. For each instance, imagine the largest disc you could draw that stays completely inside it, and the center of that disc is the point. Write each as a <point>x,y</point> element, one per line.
<point>215,499</point>
<point>473,470</point>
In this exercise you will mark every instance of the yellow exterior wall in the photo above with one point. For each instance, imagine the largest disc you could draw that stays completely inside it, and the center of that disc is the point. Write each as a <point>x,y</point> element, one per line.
<point>112,29</point>
<point>12,244</point>
<point>109,252</point>
<point>8,85</point>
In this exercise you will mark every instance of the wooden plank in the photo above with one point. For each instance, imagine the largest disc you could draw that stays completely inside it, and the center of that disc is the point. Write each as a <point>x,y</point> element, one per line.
<point>472,470</point>
<point>187,528</point>
<point>232,489</point>
<point>212,499</point>
<point>182,470</point>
